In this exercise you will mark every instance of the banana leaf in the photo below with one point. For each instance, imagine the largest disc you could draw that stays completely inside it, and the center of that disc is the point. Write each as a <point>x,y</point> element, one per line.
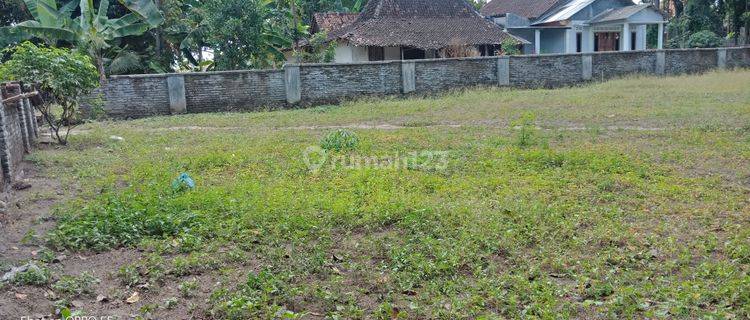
<point>146,10</point>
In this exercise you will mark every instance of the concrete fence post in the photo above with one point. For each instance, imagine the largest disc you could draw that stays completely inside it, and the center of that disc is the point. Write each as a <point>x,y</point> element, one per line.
<point>293,84</point>
<point>661,62</point>
<point>587,66</point>
<point>408,76</point>
<point>721,58</point>
<point>503,71</point>
<point>177,98</point>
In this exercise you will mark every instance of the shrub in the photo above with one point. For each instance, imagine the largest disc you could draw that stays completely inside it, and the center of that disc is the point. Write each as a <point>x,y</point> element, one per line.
<point>66,75</point>
<point>76,286</point>
<point>319,49</point>
<point>509,47</point>
<point>704,39</point>
<point>34,275</point>
<point>340,140</point>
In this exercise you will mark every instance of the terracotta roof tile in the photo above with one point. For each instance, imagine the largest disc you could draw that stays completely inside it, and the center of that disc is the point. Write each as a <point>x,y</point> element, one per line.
<point>424,24</point>
<point>526,8</point>
<point>331,21</point>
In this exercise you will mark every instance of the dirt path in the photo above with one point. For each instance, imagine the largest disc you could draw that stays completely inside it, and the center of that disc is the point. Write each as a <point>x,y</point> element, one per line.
<point>389,126</point>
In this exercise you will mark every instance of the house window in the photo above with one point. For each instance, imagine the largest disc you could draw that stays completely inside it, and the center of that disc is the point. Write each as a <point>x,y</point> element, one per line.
<point>632,41</point>
<point>579,41</point>
<point>375,53</point>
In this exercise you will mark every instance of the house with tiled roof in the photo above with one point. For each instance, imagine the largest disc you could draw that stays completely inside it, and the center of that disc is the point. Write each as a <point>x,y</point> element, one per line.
<point>567,26</point>
<point>411,29</point>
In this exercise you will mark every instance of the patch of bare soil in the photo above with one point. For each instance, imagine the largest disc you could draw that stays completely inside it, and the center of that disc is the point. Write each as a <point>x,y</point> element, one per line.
<point>27,218</point>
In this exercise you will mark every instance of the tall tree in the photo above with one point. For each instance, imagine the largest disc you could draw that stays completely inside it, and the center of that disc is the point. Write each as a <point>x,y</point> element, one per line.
<point>92,31</point>
<point>244,33</point>
<point>703,15</point>
<point>12,11</point>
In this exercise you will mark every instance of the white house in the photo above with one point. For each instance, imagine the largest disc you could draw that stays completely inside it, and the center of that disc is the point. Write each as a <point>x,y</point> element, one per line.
<point>567,26</point>
<point>411,29</point>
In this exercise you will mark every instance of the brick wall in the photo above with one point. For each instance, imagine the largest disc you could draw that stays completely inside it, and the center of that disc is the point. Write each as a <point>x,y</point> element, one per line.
<point>690,61</point>
<point>326,83</point>
<point>17,132</point>
<point>135,96</point>
<point>441,74</point>
<point>738,58</point>
<point>607,66</point>
<point>234,91</point>
<point>546,71</point>
<point>145,95</point>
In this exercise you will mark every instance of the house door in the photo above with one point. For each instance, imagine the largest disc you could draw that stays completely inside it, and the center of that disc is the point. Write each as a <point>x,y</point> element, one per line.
<point>607,41</point>
<point>412,53</point>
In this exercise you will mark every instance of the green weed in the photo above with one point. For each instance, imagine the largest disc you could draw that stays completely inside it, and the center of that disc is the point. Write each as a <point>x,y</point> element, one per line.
<point>340,140</point>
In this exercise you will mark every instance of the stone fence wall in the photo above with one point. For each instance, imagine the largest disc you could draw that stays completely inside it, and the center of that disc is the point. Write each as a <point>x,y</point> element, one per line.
<point>18,132</point>
<point>137,96</point>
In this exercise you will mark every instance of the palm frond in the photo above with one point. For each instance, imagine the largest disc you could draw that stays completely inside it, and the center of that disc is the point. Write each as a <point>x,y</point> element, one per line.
<point>126,61</point>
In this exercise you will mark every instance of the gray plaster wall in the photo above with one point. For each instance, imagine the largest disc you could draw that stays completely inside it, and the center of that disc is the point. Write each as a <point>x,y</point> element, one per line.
<point>552,40</point>
<point>314,84</point>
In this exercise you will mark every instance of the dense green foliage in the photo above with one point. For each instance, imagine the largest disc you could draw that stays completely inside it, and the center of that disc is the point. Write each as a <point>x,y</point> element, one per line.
<point>552,205</point>
<point>509,47</point>
<point>319,50</point>
<point>231,34</point>
<point>66,75</point>
<point>242,34</point>
<point>92,31</point>
<point>722,18</point>
<point>704,39</point>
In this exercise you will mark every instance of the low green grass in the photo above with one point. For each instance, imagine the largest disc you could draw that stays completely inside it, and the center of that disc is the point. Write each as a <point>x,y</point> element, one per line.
<point>625,199</point>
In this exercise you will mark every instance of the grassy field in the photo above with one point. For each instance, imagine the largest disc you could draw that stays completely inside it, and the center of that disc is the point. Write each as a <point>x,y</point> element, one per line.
<point>623,199</point>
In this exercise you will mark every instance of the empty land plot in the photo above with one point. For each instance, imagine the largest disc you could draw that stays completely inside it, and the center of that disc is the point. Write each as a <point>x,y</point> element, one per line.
<point>629,198</point>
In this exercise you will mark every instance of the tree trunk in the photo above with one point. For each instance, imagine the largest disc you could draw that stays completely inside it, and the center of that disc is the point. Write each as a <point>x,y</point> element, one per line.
<point>100,68</point>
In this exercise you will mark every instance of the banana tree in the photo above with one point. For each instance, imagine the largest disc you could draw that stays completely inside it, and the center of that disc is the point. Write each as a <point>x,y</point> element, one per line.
<point>50,23</point>
<point>95,32</point>
<point>92,32</point>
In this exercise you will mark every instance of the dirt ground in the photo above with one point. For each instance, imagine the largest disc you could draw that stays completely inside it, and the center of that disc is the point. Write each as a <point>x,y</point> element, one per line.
<point>28,217</point>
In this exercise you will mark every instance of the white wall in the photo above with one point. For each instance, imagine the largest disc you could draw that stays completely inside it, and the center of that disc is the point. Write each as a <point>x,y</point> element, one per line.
<point>346,52</point>
<point>553,41</point>
<point>392,53</point>
<point>640,37</point>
